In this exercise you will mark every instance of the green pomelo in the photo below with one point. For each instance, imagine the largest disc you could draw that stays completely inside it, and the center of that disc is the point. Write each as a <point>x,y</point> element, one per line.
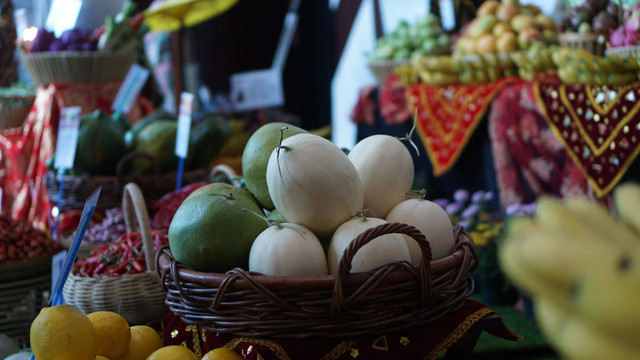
<point>212,232</point>
<point>256,157</point>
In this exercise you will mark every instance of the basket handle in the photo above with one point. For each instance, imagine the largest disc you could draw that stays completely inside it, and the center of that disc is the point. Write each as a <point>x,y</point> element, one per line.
<point>134,208</point>
<point>227,171</point>
<point>423,272</point>
<point>132,155</point>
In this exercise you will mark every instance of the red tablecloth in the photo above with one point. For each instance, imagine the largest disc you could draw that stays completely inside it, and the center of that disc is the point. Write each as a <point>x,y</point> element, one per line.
<point>425,342</point>
<point>25,150</point>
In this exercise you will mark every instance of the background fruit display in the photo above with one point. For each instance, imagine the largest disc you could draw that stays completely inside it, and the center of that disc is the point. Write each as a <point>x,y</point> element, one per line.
<point>592,17</point>
<point>424,37</point>
<point>504,27</point>
<point>580,264</point>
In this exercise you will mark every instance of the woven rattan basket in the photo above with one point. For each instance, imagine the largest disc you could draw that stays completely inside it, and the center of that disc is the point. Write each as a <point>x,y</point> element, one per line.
<point>592,43</point>
<point>77,66</point>
<point>78,188</point>
<point>392,297</point>
<point>139,298</point>
<point>632,52</point>
<point>383,68</point>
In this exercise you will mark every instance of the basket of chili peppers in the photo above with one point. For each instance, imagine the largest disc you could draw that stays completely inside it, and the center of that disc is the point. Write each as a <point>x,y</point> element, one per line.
<point>119,276</point>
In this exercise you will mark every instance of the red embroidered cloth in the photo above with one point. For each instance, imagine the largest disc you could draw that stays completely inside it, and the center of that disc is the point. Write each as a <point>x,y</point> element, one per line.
<point>529,159</point>
<point>598,126</point>
<point>448,115</point>
<point>25,150</point>
<point>425,342</point>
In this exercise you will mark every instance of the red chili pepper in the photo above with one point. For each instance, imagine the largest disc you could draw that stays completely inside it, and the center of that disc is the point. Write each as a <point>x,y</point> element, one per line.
<point>137,266</point>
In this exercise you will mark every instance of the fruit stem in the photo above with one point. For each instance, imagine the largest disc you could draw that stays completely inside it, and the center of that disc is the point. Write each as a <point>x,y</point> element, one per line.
<point>410,134</point>
<point>270,222</point>
<point>422,193</point>
<point>361,214</point>
<point>280,146</point>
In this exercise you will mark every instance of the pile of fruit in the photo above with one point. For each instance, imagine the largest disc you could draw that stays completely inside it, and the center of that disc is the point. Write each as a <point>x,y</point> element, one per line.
<point>64,332</point>
<point>628,33</point>
<point>322,198</point>
<point>424,37</point>
<point>20,241</point>
<point>578,66</point>
<point>121,32</point>
<point>536,59</point>
<point>598,17</point>
<point>504,27</point>
<point>104,140</point>
<point>581,266</point>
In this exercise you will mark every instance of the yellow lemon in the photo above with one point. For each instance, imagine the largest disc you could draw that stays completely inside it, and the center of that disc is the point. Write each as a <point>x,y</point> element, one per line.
<point>144,341</point>
<point>172,352</point>
<point>112,331</point>
<point>222,354</point>
<point>63,332</point>
<point>100,357</point>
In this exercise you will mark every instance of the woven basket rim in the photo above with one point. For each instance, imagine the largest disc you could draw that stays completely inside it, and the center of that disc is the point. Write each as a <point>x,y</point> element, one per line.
<point>573,36</point>
<point>282,282</point>
<point>77,54</point>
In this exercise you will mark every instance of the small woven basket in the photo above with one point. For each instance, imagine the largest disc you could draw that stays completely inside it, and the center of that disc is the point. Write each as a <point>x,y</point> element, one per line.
<point>78,188</point>
<point>593,43</point>
<point>14,110</point>
<point>139,298</point>
<point>631,52</point>
<point>383,68</point>
<point>77,66</point>
<point>392,297</point>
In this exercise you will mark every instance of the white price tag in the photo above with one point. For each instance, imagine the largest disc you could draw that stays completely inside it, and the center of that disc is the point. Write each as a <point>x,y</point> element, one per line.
<point>130,88</point>
<point>63,15</point>
<point>257,89</point>
<point>184,124</point>
<point>67,137</point>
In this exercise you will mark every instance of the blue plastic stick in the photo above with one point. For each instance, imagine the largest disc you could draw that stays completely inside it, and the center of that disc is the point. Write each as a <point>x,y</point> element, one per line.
<point>59,205</point>
<point>180,171</point>
<point>87,212</point>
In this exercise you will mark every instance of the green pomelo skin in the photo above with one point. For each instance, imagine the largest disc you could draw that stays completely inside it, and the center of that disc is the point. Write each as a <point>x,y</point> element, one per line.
<point>256,157</point>
<point>211,232</point>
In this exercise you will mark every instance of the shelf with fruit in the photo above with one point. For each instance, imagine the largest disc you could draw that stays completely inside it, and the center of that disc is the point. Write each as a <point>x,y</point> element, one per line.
<point>578,66</point>
<point>500,30</point>
<point>589,24</point>
<point>423,38</point>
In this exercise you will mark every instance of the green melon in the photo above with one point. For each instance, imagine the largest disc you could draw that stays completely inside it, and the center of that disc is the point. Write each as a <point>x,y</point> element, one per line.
<point>256,157</point>
<point>212,232</point>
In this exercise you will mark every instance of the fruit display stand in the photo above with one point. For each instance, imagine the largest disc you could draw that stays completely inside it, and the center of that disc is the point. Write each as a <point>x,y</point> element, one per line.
<point>137,297</point>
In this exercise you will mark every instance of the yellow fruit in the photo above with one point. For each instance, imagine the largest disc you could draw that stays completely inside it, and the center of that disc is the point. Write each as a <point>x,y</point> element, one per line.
<point>506,43</point>
<point>144,341</point>
<point>486,44</point>
<point>112,331</point>
<point>501,28</point>
<point>488,8</point>
<point>100,357</point>
<point>173,352</point>
<point>63,332</point>
<point>222,354</point>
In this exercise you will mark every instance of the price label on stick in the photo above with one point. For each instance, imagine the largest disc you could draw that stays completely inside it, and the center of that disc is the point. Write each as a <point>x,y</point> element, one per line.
<point>67,137</point>
<point>184,124</point>
<point>130,88</point>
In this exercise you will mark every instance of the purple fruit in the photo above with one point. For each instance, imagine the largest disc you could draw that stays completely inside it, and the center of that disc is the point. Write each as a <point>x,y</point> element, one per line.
<point>603,23</point>
<point>616,38</point>
<point>57,45</point>
<point>42,41</point>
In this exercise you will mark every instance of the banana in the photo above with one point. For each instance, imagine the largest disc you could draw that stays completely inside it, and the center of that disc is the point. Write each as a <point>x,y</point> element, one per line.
<point>439,64</point>
<point>622,78</point>
<point>568,75</point>
<point>626,198</point>
<point>608,300</point>
<point>578,340</point>
<point>551,317</point>
<point>607,228</point>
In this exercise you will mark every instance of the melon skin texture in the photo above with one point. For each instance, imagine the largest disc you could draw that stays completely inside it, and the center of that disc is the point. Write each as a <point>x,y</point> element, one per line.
<point>431,220</point>
<point>210,230</point>
<point>386,171</point>
<point>312,183</point>
<point>255,158</point>
<point>379,251</point>
<point>287,250</point>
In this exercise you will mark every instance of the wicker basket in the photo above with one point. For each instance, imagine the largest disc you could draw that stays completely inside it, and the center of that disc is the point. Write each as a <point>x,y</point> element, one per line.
<point>78,188</point>
<point>139,298</point>
<point>383,68</point>
<point>14,110</point>
<point>592,43</point>
<point>392,297</point>
<point>630,52</point>
<point>77,66</point>
<point>20,303</point>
